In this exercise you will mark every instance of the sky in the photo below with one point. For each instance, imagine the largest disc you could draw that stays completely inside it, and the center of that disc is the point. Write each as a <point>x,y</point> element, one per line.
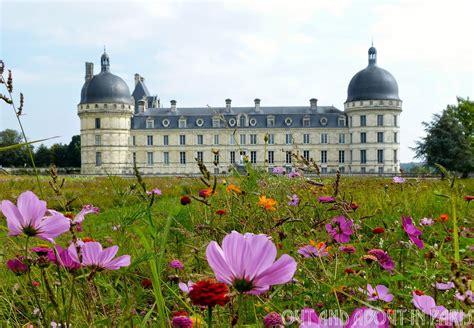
<point>200,53</point>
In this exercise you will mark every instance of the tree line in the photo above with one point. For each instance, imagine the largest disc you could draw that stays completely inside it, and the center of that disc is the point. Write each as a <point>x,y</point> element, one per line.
<point>61,155</point>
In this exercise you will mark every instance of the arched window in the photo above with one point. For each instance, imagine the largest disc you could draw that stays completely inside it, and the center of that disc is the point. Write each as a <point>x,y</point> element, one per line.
<point>242,121</point>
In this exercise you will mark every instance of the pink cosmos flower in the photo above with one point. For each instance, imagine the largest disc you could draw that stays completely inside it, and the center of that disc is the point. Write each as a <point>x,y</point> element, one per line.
<point>17,266</point>
<point>176,264</point>
<point>367,318</point>
<point>342,232</point>
<point>327,199</point>
<point>428,306</point>
<point>294,200</point>
<point>294,174</point>
<point>29,217</point>
<point>62,258</point>
<point>320,250</point>
<point>86,209</point>
<point>155,191</point>
<point>444,286</point>
<point>248,262</point>
<point>347,249</point>
<point>380,292</point>
<point>186,288</point>
<point>468,295</point>
<point>310,319</point>
<point>426,221</point>
<point>398,180</point>
<point>383,259</point>
<point>279,170</point>
<point>412,232</point>
<point>94,256</point>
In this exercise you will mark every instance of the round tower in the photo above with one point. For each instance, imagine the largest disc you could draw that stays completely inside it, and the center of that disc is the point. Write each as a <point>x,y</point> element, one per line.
<point>105,111</point>
<point>373,108</point>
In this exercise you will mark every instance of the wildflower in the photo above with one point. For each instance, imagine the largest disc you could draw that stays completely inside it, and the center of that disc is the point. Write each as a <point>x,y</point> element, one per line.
<point>426,221</point>
<point>348,249</point>
<point>309,318</point>
<point>205,193</point>
<point>398,180</point>
<point>62,258</point>
<point>342,232</point>
<point>273,320</point>
<point>354,206</point>
<point>185,200</point>
<point>221,212</point>
<point>248,262</point>
<point>182,322</point>
<point>155,191</point>
<point>176,264</point>
<point>29,217</point>
<point>412,232</point>
<point>86,209</point>
<point>146,283</point>
<point>279,170</point>
<point>209,293</point>
<point>294,200</point>
<point>94,256</point>
<point>468,198</point>
<point>40,250</point>
<point>294,174</point>
<point>327,199</point>
<point>233,188</point>
<point>378,230</point>
<point>383,259</point>
<point>186,288</point>
<point>267,203</point>
<point>444,286</point>
<point>428,306</point>
<point>468,295</point>
<point>17,266</point>
<point>318,250</point>
<point>349,271</point>
<point>35,283</point>
<point>367,318</point>
<point>380,292</point>
<point>444,217</point>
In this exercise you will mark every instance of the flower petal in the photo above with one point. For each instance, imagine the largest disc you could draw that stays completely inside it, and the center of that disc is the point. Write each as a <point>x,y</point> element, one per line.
<point>262,253</point>
<point>14,219</point>
<point>52,226</point>
<point>216,260</point>
<point>107,255</point>
<point>279,272</point>
<point>119,262</point>
<point>31,208</point>
<point>236,250</point>
<point>90,253</point>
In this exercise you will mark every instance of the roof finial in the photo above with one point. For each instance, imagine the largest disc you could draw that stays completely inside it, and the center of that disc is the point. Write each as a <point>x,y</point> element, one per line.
<point>372,41</point>
<point>372,54</point>
<point>106,52</point>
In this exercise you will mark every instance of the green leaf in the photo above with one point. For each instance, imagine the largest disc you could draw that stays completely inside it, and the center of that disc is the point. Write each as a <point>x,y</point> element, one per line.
<point>24,144</point>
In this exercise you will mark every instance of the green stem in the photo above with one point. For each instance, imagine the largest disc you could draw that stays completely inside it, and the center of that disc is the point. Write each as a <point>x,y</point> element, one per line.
<point>240,315</point>
<point>455,230</point>
<point>35,295</point>
<point>68,316</point>
<point>209,316</point>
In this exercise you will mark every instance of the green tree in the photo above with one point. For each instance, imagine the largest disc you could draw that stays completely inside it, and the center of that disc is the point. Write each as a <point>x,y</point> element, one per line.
<point>43,156</point>
<point>449,139</point>
<point>74,152</point>
<point>17,157</point>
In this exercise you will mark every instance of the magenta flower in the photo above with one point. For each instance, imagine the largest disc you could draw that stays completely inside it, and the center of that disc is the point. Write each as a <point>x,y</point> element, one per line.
<point>468,295</point>
<point>319,250</point>
<point>62,258</point>
<point>380,292</point>
<point>428,306</point>
<point>186,288</point>
<point>342,232</point>
<point>444,286</point>
<point>294,200</point>
<point>347,249</point>
<point>182,321</point>
<point>383,259</point>
<point>367,318</point>
<point>327,199</point>
<point>99,259</point>
<point>426,221</point>
<point>468,198</point>
<point>155,191</point>
<point>29,217</point>
<point>279,170</point>
<point>412,232</point>
<point>398,180</point>
<point>248,262</point>
<point>273,320</point>
<point>86,209</point>
<point>309,318</point>
<point>176,264</point>
<point>17,266</point>
<point>40,250</point>
<point>294,174</point>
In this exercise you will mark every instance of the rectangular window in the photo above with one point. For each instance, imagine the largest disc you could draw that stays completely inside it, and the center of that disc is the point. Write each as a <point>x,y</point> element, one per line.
<point>306,138</point>
<point>149,140</point>
<point>200,139</point>
<point>182,123</point>
<point>253,139</point>
<point>242,139</point>
<point>342,138</point>
<point>350,121</point>
<point>363,137</point>
<point>324,138</point>
<point>379,137</point>
<point>232,139</point>
<point>342,169</point>
<point>216,139</point>
<point>363,121</point>
<point>242,156</point>
<point>216,159</point>
<point>216,122</point>
<point>342,121</point>
<point>182,157</point>
<point>306,154</point>
<point>182,139</point>
<point>341,156</point>
<point>362,170</point>
<point>288,139</point>
<point>288,157</point>
<point>395,137</point>
<point>232,157</point>
<point>324,156</point>
<point>165,140</point>
<point>270,121</point>
<point>351,138</point>
<point>350,156</point>
<point>166,158</point>
<point>253,157</point>
<point>379,120</point>
<point>199,156</point>
<point>306,122</point>
<point>97,123</point>
<point>134,158</point>
<point>395,120</point>
<point>324,170</point>
<point>134,140</point>
<point>98,140</point>
<point>379,155</point>
<point>271,157</point>
<point>98,159</point>
<point>271,139</point>
<point>363,156</point>
<point>149,158</point>
<point>381,170</point>
<point>150,124</point>
<point>395,156</point>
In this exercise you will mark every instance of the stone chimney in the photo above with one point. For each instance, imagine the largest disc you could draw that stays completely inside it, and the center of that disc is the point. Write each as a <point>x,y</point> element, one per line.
<point>89,71</point>
<point>313,104</point>
<point>227,105</point>
<point>173,106</point>
<point>137,78</point>
<point>257,105</point>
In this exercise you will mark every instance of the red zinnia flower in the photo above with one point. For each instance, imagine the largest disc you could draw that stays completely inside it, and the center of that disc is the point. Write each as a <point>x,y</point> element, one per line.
<point>205,193</point>
<point>378,230</point>
<point>418,292</point>
<point>354,206</point>
<point>444,217</point>
<point>468,198</point>
<point>220,212</point>
<point>147,283</point>
<point>209,293</point>
<point>185,200</point>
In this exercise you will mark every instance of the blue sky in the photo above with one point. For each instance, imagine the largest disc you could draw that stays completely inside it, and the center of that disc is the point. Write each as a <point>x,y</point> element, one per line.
<point>201,53</point>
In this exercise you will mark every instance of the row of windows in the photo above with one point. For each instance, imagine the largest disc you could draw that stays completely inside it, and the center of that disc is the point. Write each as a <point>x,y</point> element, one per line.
<point>114,106</point>
<point>253,157</point>
<point>380,120</point>
<point>380,102</point>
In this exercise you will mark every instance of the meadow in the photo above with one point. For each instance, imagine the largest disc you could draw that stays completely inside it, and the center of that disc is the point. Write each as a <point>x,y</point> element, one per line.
<point>349,252</point>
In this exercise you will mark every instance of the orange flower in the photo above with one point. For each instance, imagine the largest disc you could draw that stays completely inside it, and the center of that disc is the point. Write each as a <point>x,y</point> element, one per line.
<point>205,193</point>
<point>443,217</point>
<point>88,239</point>
<point>267,203</point>
<point>234,188</point>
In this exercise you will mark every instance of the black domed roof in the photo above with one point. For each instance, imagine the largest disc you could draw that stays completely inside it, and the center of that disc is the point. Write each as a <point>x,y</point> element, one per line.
<point>105,87</point>
<point>372,83</point>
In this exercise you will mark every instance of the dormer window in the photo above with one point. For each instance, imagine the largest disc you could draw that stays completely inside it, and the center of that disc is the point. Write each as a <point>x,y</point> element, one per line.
<point>182,123</point>
<point>150,124</point>
<point>216,122</point>
<point>270,121</point>
<point>242,121</point>
<point>306,121</point>
<point>341,121</point>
